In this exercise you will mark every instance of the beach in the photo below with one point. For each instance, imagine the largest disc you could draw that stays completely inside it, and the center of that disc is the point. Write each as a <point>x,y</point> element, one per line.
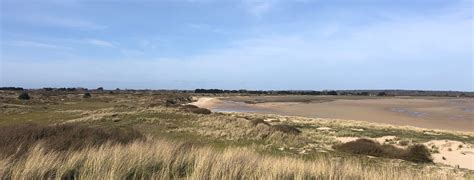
<point>430,112</point>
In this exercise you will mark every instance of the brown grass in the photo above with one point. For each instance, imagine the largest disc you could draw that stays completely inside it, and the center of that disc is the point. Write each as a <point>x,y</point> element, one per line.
<point>15,140</point>
<point>158,159</point>
<point>414,153</point>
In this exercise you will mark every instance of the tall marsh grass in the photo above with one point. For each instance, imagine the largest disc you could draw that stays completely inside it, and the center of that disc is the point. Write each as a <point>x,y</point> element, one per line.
<point>161,159</point>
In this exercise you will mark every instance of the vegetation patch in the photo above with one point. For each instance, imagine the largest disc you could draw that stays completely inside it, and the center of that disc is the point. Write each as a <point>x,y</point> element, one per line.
<point>415,153</point>
<point>157,159</point>
<point>24,96</point>
<point>18,139</point>
<point>288,129</point>
<point>255,122</point>
<point>196,110</point>
<point>87,95</point>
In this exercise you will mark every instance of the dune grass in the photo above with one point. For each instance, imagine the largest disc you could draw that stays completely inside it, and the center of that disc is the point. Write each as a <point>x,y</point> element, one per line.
<point>16,140</point>
<point>160,159</point>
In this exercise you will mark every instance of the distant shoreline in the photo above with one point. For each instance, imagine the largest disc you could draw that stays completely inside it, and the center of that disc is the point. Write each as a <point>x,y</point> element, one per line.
<point>431,113</point>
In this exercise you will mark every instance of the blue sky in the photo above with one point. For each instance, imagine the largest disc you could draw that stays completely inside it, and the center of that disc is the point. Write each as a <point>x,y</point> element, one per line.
<point>246,44</point>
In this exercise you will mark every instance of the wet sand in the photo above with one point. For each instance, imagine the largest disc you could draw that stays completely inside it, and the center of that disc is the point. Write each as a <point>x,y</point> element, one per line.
<point>430,112</point>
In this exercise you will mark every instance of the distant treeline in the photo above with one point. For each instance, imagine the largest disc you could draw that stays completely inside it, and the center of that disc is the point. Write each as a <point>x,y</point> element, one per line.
<point>243,91</point>
<point>265,92</point>
<point>96,90</point>
<point>11,88</point>
<point>342,92</point>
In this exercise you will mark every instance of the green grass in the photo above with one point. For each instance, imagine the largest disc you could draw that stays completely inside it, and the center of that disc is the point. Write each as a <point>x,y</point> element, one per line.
<point>415,136</point>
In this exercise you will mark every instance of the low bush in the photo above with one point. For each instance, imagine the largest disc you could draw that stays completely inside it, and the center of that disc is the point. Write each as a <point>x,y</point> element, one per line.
<point>286,129</point>
<point>382,94</point>
<point>87,95</point>
<point>24,96</point>
<point>170,103</point>
<point>200,111</point>
<point>415,153</point>
<point>418,153</point>
<point>195,109</point>
<point>17,139</point>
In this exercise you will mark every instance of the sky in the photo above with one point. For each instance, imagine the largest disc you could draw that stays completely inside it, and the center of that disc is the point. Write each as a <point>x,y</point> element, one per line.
<point>238,44</point>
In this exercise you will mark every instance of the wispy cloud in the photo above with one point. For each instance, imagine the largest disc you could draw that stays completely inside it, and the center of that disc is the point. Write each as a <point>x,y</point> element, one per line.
<point>34,44</point>
<point>102,43</point>
<point>331,45</point>
<point>65,22</point>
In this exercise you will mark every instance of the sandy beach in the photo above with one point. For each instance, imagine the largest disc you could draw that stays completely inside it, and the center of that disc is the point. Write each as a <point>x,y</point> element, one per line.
<point>434,113</point>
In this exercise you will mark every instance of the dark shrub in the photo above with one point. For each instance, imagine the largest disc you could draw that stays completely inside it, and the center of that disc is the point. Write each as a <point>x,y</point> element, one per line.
<point>195,109</point>
<point>200,111</point>
<point>48,89</point>
<point>382,94</point>
<point>416,153</point>
<point>332,93</point>
<point>361,146</point>
<point>17,139</point>
<point>24,96</point>
<point>364,94</point>
<point>190,106</point>
<point>171,102</point>
<point>286,129</point>
<point>11,88</point>
<point>87,95</point>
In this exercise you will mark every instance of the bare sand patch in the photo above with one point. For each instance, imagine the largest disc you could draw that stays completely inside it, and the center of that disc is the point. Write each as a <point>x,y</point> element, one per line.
<point>381,140</point>
<point>453,153</point>
<point>206,102</point>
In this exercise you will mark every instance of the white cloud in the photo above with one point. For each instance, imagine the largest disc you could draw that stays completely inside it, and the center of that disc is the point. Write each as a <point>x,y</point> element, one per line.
<point>34,44</point>
<point>417,53</point>
<point>98,42</point>
<point>46,20</point>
